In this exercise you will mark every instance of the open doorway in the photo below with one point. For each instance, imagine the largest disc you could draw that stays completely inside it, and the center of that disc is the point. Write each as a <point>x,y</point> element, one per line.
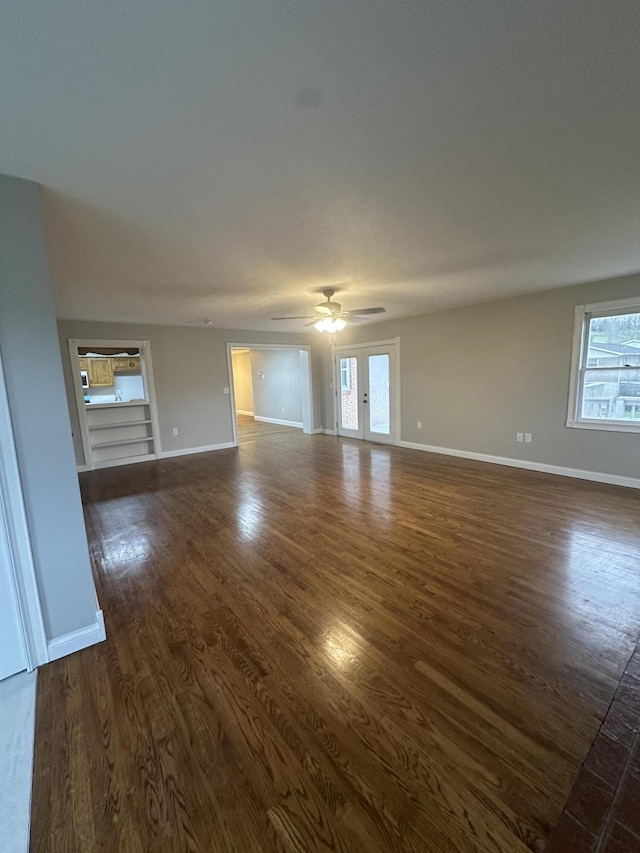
<point>271,391</point>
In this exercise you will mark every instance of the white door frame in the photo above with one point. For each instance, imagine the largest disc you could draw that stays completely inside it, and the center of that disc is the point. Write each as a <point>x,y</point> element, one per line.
<point>335,351</point>
<point>307,383</point>
<point>146,368</point>
<point>21,564</point>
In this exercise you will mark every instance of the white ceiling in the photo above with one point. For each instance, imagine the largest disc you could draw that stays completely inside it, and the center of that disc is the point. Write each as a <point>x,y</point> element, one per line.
<point>227,159</point>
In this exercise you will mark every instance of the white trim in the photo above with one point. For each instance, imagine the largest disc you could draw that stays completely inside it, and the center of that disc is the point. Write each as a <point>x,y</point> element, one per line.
<point>304,356</point>
<point>244,412</point>
<point>80,406</point>
<point>146,368</point>
<point>278,421</point>
<point>328,431</point>
<point>232,395</point>
<point>386,343</point>
<point>595,307</point>
<point>268,346</point>
<point>82,468</point>
<point>577,473</point>
<point>67,644</point>
<point>22,565</point>
<point>607,426</point>
<point>188,451</point>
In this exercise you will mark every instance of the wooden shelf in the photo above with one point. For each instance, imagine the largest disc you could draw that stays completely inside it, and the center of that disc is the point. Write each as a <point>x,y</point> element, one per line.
<point>90,406</point>
<point>121,424</point>
<point>122,441</point>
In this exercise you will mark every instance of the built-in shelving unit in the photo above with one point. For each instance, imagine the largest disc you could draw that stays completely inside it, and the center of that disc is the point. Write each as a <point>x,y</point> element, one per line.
<point>119,432</point>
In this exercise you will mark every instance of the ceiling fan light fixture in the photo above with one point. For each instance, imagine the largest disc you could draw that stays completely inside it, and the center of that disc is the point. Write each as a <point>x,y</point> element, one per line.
<point>330,324</point>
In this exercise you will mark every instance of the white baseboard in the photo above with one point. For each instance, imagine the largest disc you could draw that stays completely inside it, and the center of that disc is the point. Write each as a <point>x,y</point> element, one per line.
<point>82,468</point>
<point>329,431</point>
<point>207,448</point>
<point>278,421</point>
<point>577,473</point>
<point>76,640</point>
<point>243,412</point>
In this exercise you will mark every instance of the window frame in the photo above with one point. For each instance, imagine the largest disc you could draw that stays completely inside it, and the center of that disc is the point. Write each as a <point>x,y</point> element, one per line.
<point>346,387</point>
<point>583,315</point>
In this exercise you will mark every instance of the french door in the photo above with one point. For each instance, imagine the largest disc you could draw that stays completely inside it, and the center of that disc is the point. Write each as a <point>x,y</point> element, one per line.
<point>366,392</point>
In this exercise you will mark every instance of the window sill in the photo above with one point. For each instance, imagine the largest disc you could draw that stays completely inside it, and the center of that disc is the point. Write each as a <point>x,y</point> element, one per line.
<point>604,427</point>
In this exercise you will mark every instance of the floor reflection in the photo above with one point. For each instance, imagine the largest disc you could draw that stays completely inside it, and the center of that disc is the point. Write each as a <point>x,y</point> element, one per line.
<point>341,649</point>
<point>250,517</point>
<point>599,572</point>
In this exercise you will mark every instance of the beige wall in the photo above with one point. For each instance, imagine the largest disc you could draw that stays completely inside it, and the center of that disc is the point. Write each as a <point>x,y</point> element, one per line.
<point>242,381</point>
<point>477,375</point>
<point>190,371</point>
<point>277,385</point>
<point>474,376</point>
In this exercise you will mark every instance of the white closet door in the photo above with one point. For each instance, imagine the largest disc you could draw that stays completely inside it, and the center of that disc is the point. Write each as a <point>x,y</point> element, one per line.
<point>13,654</point>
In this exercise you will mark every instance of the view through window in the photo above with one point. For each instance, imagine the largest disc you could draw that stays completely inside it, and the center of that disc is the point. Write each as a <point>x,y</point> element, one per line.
<point>609,375</point>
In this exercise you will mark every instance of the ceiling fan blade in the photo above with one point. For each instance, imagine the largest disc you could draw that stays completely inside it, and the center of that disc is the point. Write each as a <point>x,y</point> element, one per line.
<point>362,311</point>
<point>301,317</point>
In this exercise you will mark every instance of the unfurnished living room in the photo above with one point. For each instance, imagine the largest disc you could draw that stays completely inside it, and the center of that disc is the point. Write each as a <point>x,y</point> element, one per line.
<point>320,426</point>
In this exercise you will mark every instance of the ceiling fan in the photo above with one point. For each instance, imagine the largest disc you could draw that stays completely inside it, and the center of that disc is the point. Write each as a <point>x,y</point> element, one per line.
<point>333,319</point>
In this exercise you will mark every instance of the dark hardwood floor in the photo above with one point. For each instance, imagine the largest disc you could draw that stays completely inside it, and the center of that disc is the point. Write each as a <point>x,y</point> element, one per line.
<point>250,429</point>
<point>318,644</point>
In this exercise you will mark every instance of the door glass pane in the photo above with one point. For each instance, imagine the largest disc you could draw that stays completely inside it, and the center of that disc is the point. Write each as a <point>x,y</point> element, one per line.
<point>349,393</point>
<point>379,394</point>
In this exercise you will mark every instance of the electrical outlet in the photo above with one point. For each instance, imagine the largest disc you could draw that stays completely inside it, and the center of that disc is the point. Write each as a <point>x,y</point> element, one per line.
<point>175,430</point>
<point>418,424</point>
<point>528,437</point>
<point>283,410</point>
<point>519,436</point>
<point>226,390</point>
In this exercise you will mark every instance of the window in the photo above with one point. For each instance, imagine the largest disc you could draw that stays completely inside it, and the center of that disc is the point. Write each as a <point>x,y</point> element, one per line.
<point>605,370</point>
<point>345,374</point>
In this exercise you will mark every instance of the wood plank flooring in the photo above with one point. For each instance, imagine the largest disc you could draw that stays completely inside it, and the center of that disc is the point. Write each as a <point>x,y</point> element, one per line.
<point>251,430</point>
<point>317,644</point>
